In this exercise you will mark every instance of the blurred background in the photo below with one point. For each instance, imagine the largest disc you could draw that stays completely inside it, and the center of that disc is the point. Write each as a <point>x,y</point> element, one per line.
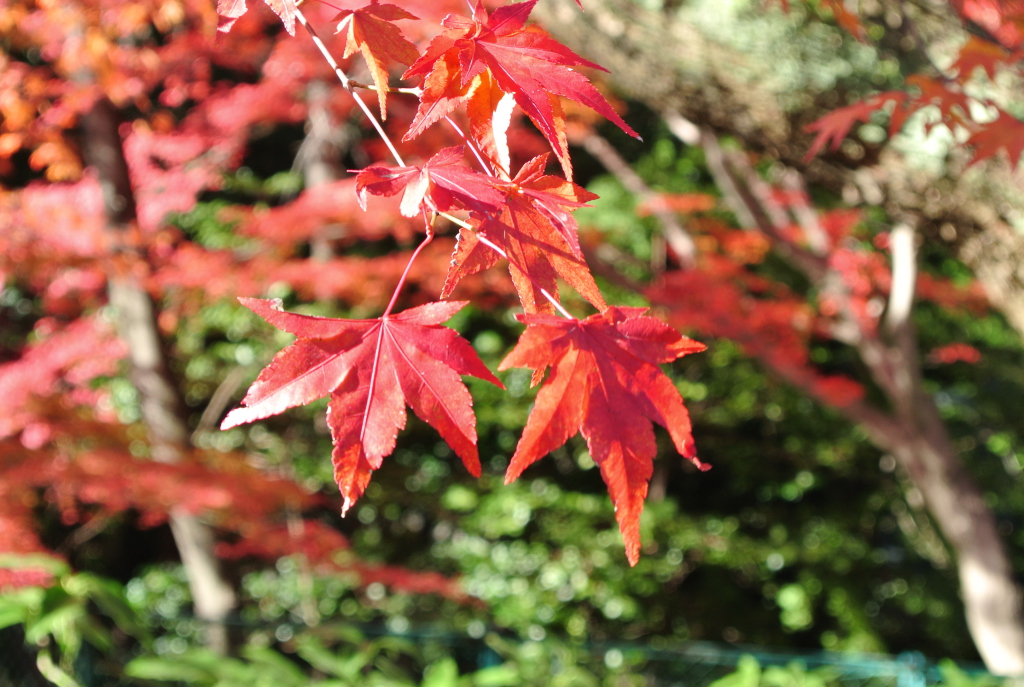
<point>139,544</point>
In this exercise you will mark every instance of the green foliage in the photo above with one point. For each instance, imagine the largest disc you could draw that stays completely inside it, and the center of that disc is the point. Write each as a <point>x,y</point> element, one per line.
<point>63,616</point>
<point>347,660</point>
<point>749,673</point>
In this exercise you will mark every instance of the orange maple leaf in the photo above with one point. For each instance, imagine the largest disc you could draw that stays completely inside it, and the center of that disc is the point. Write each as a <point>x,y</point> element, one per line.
<point>538,233</point>
<point>605,383</point>
<point>369,30</point>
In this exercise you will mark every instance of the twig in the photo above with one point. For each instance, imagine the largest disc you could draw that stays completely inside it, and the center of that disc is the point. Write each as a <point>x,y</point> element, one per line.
<point>348,86</point>
<point>544,292</point>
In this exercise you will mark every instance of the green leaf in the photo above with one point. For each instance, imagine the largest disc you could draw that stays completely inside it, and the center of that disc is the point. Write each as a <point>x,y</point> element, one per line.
<point>748,674</point>
<point>274,666</point>
<point>443,673</point>
<point>109,596</point>
<point>12,612</point>
<point>17,561</point>
<point>317,655</point>
<point>495,676</point>
<point>178,669</point>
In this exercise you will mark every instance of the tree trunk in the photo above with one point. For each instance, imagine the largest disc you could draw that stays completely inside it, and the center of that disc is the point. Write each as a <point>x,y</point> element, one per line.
<point>161,403</point>
<point>317,160</point>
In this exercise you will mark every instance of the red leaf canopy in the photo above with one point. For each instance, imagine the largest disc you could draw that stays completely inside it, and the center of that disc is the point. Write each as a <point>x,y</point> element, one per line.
<point>606,384</point>
<point>371,369</point>
<point>229,11</point>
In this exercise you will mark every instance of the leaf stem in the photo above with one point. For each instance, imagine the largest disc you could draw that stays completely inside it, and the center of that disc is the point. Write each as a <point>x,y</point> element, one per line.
<point>472,146</point>
<point>401,282</point>
<point>410,90</point>
<point>348,86</point>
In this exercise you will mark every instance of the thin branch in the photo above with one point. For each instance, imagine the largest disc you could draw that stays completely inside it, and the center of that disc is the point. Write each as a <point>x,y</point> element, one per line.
<point>715,160</point>
<point>805,214</point>
<point>497,249</point>
<point>678,238</point>
<point>682,128</point>
<point>348,86</point>
<point>401,281</point>
<point>736,181</point>
<point>472,146</point>
<point>904,277</point>
<point>902,352</point>
<point>221,399</point>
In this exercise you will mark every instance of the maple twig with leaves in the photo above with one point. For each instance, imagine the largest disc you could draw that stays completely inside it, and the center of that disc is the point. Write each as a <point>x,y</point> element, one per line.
<point>605,381</point>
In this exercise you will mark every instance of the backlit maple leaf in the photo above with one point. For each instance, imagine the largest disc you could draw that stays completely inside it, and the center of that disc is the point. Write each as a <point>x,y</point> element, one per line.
<point>1002,20</point>
<point>538,233</point>
<point>371,369</point>
<point>522,60</point>
<point>489,110</point>
<point>605,383</point>
<point>953,103</point>
<point>444,179</point>
<point>370,31</point>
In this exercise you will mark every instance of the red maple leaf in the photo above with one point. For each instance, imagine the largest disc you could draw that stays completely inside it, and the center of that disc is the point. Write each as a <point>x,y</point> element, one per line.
<point>370,31</point>
<point>230,10</point>
<point>522,60</point>
<point>977,52</point>
<point>371,369</point>
<point>447,182</point>
<point>1003,20</point>
<point>1007,132</point>
<point>605,383</point>
<point>953,353</point>
<point>836,125</point>
<point>538,233</point>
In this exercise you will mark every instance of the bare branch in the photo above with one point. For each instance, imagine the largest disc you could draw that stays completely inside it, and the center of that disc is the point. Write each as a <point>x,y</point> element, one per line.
<point>677,236</point>
<point>904,277</point>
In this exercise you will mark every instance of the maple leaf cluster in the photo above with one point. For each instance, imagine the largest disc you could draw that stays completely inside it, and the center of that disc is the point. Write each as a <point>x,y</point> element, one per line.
<point>605,381</point>
<point>995,45</point>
